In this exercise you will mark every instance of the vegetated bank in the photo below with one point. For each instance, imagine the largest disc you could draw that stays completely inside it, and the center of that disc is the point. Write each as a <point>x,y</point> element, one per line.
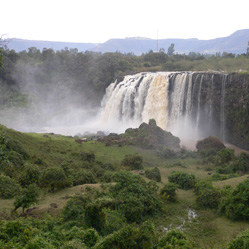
<point>104,196</point>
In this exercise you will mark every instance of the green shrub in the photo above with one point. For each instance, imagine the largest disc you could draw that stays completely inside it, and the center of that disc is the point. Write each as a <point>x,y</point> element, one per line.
<point>8,187</point>
<point>107,177</point>
<point>208,198</point>
<point>224,156</point>
<point>114,220</point>
<point>210,143</point>
<point>168,192</point>
<point>30,175</point>
<point>133,162</point>
<point>174,239</point>
<point>202,185</point>
<point>241,241</point>
<point>235,204</point>
<point>88,156</point>
<point>153,174</point>
<point>135,198</point>
<point>54,178</point>
<point>90,237</point>
<point>26,197</point>
<point>74,244</point>
<point>130,237</point>
<point>38,243</point>
<point>242,163</point>
<point>182,179</point>
<point>83,177</point>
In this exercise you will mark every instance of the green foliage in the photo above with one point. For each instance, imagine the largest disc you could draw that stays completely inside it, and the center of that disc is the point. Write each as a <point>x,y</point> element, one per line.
<point>26,197</point>
<point>174,239</point>
<point>240,242</point>
<point>130,237</point>
<point>242,162</point>
<point>38,243</point>
<point>153,174</point>
<point>208,198</point>
<point>88,156</point>
<point>54,178</point>
<point>135,198</point>
<point>132,162</point>
<point>168,192</point>
<point>235,203</point>
<point>30,175</point>
<point>107,177</point>
<point>224,156</point>
<point>171,49</point>
<point>210,143</point>
<point>114,220</point>
<point>74,244</point>
<point>90,237</point>
<point>207,195</point>
<point>83,177</point>
<point>8,187</point>
<point>182,179</point>
<point>202,185</point>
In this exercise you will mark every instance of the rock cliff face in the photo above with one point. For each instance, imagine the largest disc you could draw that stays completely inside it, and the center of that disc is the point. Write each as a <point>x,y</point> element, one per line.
<point>188,104</point>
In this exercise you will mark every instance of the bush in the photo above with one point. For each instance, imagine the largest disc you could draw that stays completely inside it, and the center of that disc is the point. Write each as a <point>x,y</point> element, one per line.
<point>235,204</point>
<point>242,163</point>
<point>153,174</point>
<point>54,178</point>
<point>133,162</point>
<point>208,198</point>
<point>202,185</point>
<point>174,239</point>
<point>8,187</point>
<point>224,156</point>
<point>210,143</point>
<point>90,237</point>
<point>135,198</point>
<point>241,241</point>
<point>30,175</point>
<point>130,237</point>
<point>182,179</point>
<point>107,177</point>
<point>83,177</point>
<point>168,192</point>
<point>88,156</point>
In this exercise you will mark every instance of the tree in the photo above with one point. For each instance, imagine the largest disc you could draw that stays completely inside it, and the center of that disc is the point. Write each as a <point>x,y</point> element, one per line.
<point>153,174</point>
<point>26,197</point>
<point>182,179</point>
<point>168,192</point>
<point>8,187</point>
<point>171,49</point>
<point>241,241</point>
<point>133,162</point>
<point>30,175</point>
<point>235,203</point>
<point>54,178</point>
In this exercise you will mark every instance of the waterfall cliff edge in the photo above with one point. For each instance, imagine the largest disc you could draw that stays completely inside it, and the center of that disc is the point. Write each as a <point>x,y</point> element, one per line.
<point>191,105</point>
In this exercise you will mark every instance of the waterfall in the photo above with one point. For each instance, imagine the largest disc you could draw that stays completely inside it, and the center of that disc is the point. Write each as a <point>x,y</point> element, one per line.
<point>222,108</point>
<point>184,103</point>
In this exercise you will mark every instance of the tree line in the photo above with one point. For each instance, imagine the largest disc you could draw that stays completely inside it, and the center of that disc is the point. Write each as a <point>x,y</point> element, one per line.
<point>91,72</point>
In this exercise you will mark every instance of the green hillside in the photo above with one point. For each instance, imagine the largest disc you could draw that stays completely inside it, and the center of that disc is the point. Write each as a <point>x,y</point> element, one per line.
<point>100,193</point>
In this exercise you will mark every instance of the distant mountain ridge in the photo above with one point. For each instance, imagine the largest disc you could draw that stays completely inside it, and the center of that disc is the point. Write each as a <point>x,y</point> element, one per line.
<point>235,43</point>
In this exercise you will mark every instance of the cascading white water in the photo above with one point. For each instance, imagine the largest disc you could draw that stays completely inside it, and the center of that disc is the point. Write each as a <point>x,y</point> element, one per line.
<point>180,102</point>
<point>222,108</point>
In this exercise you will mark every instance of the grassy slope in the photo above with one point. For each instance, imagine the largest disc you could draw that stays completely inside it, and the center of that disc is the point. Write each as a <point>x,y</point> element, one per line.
<point>208,230</point>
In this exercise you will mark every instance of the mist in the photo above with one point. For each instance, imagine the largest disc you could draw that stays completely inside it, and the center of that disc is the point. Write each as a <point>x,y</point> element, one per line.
<point>58,92</point>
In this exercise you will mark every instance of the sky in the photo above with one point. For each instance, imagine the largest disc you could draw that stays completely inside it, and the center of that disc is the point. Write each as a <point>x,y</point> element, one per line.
<point>97,21</point>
